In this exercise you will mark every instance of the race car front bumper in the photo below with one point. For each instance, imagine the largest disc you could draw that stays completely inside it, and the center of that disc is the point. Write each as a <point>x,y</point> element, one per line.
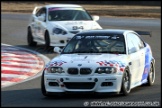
<point>100,84</point>
<point>60,40</point>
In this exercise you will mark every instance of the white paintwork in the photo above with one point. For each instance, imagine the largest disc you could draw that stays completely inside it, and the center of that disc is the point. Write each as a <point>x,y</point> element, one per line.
<point>90,62</point>
<point>134,61</point>
<point>39,35</point>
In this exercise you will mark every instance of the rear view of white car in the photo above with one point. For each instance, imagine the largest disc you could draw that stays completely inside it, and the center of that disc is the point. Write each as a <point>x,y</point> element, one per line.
<point>55,25</point>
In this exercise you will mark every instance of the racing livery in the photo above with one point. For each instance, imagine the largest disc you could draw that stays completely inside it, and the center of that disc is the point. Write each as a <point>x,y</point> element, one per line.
<point>101,61</point>
<point>55,25</point>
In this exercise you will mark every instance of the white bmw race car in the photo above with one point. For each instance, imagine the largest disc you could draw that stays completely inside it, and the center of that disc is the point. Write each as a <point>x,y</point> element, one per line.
<point>102,61</point>
<point>55,25</point>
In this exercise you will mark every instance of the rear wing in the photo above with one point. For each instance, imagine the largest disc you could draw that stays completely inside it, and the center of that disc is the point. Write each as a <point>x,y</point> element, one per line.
<point>144,33</point>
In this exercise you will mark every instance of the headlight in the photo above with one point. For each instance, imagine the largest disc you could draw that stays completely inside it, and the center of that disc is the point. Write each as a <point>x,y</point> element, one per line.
<point>107,70</point>
<point>59,31</point>
<point>55,70</point>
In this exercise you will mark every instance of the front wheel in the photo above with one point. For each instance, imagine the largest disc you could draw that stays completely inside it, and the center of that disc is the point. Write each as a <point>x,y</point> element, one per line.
<point>43,89</point>
<point>30,38</point>
<point>125,89</point>
<point>151,76</point>
<point>48,94</point>
<point>47,39</point>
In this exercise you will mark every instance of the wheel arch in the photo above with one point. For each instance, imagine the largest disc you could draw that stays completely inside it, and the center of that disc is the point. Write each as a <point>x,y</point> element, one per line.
<point>29,28</point>
<point>122,89</point>
<point>47,39</point>
<point>153,61</point>
<point>127,68</point>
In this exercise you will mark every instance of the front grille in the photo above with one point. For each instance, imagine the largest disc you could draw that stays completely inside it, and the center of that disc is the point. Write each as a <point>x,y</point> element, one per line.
<point>85,71</point>
<point>73,71</point>
<point>79,85</point>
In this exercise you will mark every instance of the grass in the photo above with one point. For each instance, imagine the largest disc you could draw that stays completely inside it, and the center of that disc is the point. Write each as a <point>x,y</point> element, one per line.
<point>101,10</point>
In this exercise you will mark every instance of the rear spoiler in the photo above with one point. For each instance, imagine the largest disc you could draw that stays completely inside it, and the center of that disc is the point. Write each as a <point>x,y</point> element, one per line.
<point>144,33</point>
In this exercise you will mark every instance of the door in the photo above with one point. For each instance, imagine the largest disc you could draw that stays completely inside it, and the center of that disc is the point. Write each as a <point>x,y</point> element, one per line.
<point>141,55</point>
<point>40,23</point>
<point>136,55</point>
<point>33,21</point>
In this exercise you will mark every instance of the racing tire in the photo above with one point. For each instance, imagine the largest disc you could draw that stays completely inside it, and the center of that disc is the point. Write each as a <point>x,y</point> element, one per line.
<point>47,39</point>
<point>126,82</point>
<point>151,75</point>
<point>43,89</point>
<point>30,38</point>
<point>48,94</point>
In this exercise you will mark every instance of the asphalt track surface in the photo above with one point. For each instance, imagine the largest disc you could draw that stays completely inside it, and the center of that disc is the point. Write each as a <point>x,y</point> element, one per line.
<point>14,31</point>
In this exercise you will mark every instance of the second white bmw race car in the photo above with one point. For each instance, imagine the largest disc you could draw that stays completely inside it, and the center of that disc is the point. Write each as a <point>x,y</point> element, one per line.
<point>101,61</point>
<point>55,25</point>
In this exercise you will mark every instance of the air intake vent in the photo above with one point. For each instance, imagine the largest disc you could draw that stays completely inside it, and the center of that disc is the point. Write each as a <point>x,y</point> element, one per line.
<point>79,85</point>
<point>73,71</point>
<point>74,32</point>
<point>85,71</point>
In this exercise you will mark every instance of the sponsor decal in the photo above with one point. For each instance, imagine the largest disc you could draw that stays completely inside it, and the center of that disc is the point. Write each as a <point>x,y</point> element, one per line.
<point>148,57</point>
<point>76,23</point>
<point>79,64</point>
<point>57,63</point>
<point>97,37</point>
<point>54,8</point>
<point>112,63</point>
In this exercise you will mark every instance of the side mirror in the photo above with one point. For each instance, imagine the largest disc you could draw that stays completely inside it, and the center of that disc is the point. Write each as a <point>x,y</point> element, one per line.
<point>95,17</point>
<point>41,18</point>
<point>57,50</point>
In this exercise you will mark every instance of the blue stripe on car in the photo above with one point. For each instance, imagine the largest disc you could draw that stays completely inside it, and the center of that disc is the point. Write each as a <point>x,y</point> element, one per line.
<point>148,58</point>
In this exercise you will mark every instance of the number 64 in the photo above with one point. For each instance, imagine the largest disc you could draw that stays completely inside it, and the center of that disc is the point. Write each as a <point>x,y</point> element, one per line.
<point>76,27</point>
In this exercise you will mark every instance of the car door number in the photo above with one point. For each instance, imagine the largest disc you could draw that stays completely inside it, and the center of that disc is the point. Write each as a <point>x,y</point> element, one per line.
<point>77,27</point>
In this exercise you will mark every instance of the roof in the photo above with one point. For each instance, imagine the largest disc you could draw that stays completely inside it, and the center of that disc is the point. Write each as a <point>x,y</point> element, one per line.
<point>62,5</point>
<point>105,31</point>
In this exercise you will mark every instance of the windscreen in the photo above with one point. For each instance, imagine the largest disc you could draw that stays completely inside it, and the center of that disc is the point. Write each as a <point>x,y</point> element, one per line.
<point>65,14</point>
<point>96,44</point>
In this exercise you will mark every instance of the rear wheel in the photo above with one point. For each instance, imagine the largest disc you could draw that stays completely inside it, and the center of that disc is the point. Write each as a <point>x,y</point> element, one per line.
<point>151,76</point>
<point>125,89</point>
<point>30,38</point>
